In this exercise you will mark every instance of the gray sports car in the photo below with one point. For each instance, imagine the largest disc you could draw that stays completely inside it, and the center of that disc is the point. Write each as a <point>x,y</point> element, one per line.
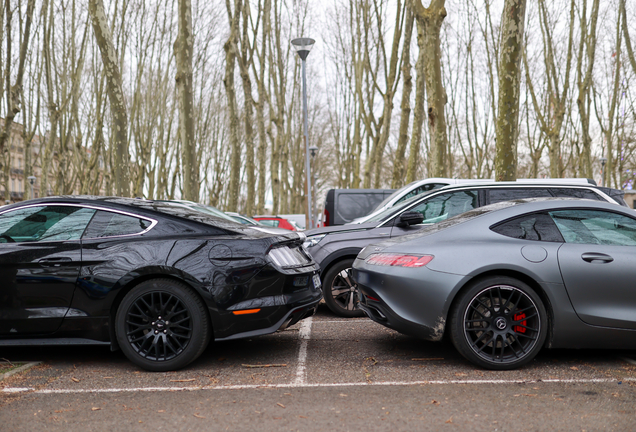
<point>505,280</point>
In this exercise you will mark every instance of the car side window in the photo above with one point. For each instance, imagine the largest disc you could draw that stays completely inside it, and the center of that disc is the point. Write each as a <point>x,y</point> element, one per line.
<point>538,227</point>
<point>44,223</point>
<point>270,222</point>
<point>506,194</point>
<point>576,193</point>
<point>110,224</point>
<point>595,227</point>
<point>441,207</point>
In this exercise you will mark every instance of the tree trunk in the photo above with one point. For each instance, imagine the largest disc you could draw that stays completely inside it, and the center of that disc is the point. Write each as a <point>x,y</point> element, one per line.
<point>228,81</point>
<point>419,109</point>
<point>512,22</point>
<point>115,95</point>
<point>183,47</point>
<point>431,19</point>
<point>407,86</point>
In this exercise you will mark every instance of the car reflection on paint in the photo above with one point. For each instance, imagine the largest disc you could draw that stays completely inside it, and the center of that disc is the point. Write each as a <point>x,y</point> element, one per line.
<point>156,279</point>
<point>505,280</point>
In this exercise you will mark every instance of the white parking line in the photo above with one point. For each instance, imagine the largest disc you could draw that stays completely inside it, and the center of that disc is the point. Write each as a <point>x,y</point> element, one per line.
<point>294,385</point>
<point>305,335</point>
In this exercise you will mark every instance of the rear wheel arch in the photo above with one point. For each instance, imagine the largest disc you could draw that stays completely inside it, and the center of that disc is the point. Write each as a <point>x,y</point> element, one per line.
<point>334,261</point>
<point>536,287</point>
<point>130,285</point>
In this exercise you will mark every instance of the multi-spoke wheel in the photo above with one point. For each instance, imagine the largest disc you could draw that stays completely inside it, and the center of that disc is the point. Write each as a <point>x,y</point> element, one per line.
<point>499,323</point>
<point>340,292</point>
<point>162,325</point>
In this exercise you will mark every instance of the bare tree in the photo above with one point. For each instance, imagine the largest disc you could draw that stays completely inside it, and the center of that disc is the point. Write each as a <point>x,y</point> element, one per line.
<point>183,53</point>
<point>399,167</point>
<point>115,95</point>
<point>512,24</point>
<point>430,21</point>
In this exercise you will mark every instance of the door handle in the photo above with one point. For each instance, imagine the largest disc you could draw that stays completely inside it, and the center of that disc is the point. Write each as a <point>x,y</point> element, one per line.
<point>54,262</point>
<point>592,257</point>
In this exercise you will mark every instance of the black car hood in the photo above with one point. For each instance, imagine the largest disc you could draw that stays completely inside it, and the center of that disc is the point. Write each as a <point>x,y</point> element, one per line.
<point>341,228</point>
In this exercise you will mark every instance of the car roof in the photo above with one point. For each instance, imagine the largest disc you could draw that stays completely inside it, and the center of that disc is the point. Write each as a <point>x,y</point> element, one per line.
<point>391,212</point>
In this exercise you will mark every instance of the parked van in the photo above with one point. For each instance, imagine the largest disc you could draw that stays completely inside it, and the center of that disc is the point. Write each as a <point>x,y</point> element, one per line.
<point>344,205</point>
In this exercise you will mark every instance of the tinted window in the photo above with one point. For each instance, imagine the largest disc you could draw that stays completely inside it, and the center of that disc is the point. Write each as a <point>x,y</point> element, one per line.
<point>538,227</point>
<point>506,194</point>
<point>595,227</point>
<point>576,193</point>
<point>354,205</point>
<point>441,207</point>
<point>44,223</point>
<point>109,224</point>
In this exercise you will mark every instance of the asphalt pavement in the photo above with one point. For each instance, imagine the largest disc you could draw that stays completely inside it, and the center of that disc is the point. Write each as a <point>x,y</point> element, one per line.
<point>326,373</point>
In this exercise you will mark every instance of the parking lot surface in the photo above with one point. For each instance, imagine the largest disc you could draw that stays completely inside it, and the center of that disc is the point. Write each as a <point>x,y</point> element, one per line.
<point>323,373</point>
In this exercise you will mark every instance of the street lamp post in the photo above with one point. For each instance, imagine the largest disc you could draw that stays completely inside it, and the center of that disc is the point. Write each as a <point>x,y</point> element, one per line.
<point>31,180</point>
<point>603,162</point>
<point>302,47</point>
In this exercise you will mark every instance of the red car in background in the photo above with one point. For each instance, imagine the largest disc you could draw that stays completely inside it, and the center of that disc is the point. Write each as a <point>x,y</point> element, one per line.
<point>277,222</point>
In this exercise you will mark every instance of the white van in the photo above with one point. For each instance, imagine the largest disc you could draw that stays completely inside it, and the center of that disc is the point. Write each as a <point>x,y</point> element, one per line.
<point>421,186</point>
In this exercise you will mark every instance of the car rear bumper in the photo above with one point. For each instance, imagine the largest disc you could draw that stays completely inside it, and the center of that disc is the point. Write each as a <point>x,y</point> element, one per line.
<point>412,301</point>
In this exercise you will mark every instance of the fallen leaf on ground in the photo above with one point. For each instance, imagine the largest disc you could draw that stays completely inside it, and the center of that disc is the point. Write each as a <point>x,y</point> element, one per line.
<point>450,420</point>
<point>184,380</point>
<point>303,417</point>
<point>460,374</point>
<point>198,416</point>
<point>343,395</point>
<point>434,402</point>
<point>74,380</point>
<point>574,368</point>
<point>280,405</point>
<point>95,409</point>
<point>264,366</point>
<point>161,411</point>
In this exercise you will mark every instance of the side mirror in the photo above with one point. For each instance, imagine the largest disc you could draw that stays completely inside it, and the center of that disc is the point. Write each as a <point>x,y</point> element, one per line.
<point>409,218</point>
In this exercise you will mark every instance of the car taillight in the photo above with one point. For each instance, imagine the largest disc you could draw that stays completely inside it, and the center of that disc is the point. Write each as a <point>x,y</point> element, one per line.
<point>399,260</point>
<point>325,222</point>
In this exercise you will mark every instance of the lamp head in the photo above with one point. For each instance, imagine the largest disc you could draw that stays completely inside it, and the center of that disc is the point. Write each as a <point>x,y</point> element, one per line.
<point>313,150</point>
<point>303,46</point>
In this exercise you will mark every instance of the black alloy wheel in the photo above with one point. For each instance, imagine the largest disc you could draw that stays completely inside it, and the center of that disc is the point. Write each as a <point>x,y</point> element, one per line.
<point>162,325</point>
<point>499,323</point>
<point>340,291</point>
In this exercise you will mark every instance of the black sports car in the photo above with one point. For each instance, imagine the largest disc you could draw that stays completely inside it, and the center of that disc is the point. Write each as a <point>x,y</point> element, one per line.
<point>156,279</point>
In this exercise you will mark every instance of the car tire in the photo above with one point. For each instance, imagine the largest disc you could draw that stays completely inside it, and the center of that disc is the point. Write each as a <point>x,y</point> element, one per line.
<point>339,290</point>
<point>498,323</point>
<point>162,325</point>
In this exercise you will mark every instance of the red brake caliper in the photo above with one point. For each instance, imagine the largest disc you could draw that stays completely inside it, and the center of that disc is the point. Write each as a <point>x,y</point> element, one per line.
<point>519,317</point>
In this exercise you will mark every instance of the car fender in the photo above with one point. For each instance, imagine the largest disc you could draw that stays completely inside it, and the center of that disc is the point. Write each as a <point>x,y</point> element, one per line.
<point>327,262</point>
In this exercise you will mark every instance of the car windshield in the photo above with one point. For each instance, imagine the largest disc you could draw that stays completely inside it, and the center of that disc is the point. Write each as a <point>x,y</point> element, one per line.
<point>393,195</point>
<point>396,209</point>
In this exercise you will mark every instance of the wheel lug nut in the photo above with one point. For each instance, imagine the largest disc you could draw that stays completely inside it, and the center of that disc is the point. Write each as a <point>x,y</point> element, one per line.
<point>159,317</point>
<point>167,322</point>
<point>156,331</point>
<point>165,331</point>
